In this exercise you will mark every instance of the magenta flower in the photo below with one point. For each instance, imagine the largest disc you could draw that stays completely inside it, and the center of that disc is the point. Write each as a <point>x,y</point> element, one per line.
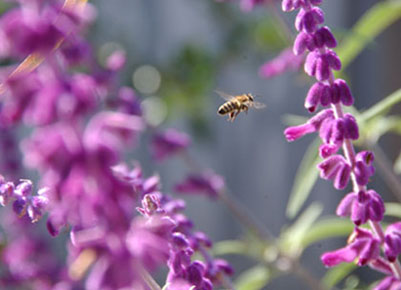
<point>336,168</point>
<point>361,244</point>
<point>392,241</point>
<point>389,283</point>
<point>169,143</point>
<point>362,206</point>
<point>207,183</point>
<point>285,61</point>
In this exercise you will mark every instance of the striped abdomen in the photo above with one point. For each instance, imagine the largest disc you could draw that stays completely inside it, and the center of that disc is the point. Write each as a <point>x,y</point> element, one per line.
<point>228,107</point>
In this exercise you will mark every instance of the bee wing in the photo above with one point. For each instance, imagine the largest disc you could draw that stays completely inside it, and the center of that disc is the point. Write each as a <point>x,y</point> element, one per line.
<point>258,105</point>
<point>225,96</point>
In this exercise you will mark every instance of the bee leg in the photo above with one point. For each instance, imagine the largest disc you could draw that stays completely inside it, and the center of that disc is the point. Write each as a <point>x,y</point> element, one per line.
<point>231,116</point>
<point>245,108</point>
<point>234,115</point>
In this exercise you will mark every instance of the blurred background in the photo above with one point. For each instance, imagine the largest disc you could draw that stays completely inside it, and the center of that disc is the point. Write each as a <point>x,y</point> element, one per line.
<point>180,51</point>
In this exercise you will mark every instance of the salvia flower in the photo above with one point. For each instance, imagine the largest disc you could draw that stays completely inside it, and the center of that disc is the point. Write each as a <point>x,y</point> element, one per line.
<point>337,169</point>
<point>207,183</point>
<point>392,241</point>
<point>362,206</point>
<point>389,282</point>
<point>285,61</point>
<point>169,143</point>
<point>361,244</point>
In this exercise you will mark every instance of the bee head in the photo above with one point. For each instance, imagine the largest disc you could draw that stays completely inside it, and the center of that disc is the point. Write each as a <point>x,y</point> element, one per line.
<point>250,97</point>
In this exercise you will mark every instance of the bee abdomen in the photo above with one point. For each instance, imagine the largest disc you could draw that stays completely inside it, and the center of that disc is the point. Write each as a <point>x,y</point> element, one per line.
<point>226,108</point>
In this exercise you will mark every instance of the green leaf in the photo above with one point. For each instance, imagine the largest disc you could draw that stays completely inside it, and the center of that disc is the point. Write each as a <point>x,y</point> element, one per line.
<point>229,247</point>
<point>292,238</point>
<point>375,128</point>
<point>338,273</point>
<point>304,180</point>
<point>393,209</point>
<point>327,228</point>
<point>397,164</point>
<point>372,23</point>
<point>382,107</point>
<point>253,279</point>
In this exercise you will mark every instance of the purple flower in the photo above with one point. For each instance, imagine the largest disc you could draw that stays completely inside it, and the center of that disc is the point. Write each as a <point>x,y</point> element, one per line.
<point>389,283</point>
<point>285,61</point>
<point>361,244</point>
<point>207,183</point>
<point>313,125</point>
<point>362,206</point>
<point>336,168</point>
<point>169,143</point>
<point>6,191</point>
<point>363,167</point>
<point>392,241</point>
<point>148,240</point>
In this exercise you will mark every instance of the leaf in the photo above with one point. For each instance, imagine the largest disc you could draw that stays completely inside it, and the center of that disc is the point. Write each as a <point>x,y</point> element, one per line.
<point>393,209</point>
<point>229,247</point>
<point>327,228</point>
<point>338,273</point>
<point>372,23</point>
<point>253,279</point>
<point>382,107</point>
<point>292,238</point>
<point>372,130</point>
<point>304,180</point>
<point>397,164</point>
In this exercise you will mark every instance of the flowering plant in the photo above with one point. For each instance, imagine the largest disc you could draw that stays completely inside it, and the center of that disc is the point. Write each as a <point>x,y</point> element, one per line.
<point>76,124</point>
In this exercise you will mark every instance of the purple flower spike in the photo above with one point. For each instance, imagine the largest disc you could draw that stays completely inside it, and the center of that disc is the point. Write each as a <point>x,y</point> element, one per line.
<point>389,283</point>
<point>361,244</point>
<point>208,183</point>
<point>333,60</point>
<point>169,143</point>
<point>314,96</point>
<point>392,241</point>
<point>361,207</point>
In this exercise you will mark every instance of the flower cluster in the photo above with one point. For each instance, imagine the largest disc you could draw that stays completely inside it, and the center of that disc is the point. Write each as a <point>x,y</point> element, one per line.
<point>337,130</point>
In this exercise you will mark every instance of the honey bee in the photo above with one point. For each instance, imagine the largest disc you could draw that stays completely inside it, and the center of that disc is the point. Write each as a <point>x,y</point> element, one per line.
<point>237,104</point>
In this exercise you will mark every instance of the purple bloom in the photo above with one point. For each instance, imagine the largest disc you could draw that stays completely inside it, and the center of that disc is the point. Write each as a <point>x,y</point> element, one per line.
<point>285,61</point>
<point>363,167</point>
<point>336,168</point>
<point>6,191</point>
<point>148,240</point>
<point>392,241</point>
<point>390,282</point>
<point>361,244</point>
<point>313,125</point>
<point>207,183</point>
<point>169,143</point>
<point>362,206</point>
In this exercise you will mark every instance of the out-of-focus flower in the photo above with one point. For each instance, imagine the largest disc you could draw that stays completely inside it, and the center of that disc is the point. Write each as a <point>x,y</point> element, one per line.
<point>389,282</point>
<point>207,183</point>
<point>169,143</point>
<point>285,61</point>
